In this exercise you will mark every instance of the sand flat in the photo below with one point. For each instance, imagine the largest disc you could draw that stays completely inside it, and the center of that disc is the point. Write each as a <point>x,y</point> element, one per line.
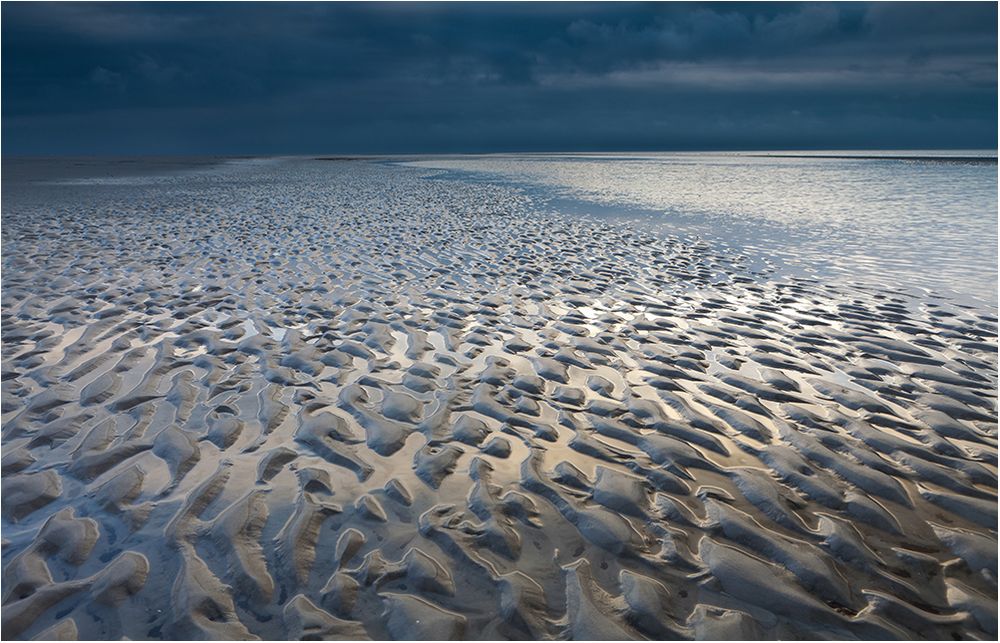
<point>343,399</point>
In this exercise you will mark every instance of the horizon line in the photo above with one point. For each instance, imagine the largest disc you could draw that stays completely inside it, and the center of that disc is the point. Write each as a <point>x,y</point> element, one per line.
<point>903,153</point>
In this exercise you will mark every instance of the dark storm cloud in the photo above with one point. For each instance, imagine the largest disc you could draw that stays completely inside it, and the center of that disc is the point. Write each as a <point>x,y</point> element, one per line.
<point>376,78</point>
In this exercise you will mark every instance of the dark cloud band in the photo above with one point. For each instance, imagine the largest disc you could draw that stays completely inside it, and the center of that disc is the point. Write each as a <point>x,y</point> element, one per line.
<point>375,78</point>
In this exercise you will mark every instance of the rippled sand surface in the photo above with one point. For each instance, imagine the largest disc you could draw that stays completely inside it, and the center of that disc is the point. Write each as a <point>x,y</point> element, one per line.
<point>299,398</point>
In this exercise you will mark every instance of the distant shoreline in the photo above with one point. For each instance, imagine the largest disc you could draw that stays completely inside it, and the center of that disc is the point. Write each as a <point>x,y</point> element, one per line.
<point>966,155</point>
<point>985,160</point>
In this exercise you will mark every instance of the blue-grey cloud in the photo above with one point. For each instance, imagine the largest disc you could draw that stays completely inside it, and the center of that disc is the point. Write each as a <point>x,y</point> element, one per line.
<point>378,78</point>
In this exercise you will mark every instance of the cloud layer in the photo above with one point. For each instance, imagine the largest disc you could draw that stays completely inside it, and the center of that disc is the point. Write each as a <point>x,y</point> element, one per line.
<point>214,78</point>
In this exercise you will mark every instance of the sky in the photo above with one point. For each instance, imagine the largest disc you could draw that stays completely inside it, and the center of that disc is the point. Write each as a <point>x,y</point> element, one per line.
<point>344,78</point>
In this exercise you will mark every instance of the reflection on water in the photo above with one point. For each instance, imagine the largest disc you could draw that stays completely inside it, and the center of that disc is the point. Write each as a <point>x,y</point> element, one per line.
<point>925,220</point>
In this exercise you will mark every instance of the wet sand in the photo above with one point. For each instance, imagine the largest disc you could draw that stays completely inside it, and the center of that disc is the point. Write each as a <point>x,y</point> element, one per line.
<point>301,398</point>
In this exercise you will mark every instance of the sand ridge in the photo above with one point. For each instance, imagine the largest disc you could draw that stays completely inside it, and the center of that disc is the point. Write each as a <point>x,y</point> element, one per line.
<point>346,400</point>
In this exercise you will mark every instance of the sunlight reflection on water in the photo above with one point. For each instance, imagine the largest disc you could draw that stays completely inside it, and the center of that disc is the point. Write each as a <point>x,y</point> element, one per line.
<point>905,223</point>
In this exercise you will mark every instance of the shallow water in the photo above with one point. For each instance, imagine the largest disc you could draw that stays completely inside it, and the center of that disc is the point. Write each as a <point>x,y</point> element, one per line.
<point>924,220</point>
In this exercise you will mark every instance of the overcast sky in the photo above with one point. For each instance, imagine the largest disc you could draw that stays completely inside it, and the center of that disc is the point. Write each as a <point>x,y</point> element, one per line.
<point>261,78</point>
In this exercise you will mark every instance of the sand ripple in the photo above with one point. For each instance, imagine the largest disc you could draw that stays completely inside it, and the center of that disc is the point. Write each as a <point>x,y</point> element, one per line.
<point>339,400</point>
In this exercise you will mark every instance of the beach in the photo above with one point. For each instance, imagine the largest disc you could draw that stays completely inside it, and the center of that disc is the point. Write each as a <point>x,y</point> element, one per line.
<point>358,398</point>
